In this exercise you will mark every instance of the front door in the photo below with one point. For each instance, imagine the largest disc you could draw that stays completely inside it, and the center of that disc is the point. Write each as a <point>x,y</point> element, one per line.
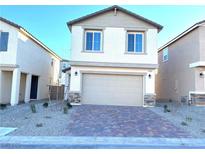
<point>34,87</point>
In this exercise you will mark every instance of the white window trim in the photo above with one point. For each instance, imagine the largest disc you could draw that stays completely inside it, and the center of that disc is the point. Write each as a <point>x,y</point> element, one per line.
<point>143,42</point>
<point>163,54</point>
<point>85,40</point>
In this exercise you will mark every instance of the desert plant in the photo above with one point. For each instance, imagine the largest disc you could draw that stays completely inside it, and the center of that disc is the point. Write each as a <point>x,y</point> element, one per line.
<point>69,105</point>
<point>189,119</point>
<point>45,104</point>
<point>33,108</point>
<point>47,117</point>
<point>165,108</point>
<point>168,110</point>
<point>65,109</point>
<point>39,125</point>
<point>184,123</point>
<point>3,106</point>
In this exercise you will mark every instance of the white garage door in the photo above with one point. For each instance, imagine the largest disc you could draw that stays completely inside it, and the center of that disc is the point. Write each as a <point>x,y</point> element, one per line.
<point>126,90</point>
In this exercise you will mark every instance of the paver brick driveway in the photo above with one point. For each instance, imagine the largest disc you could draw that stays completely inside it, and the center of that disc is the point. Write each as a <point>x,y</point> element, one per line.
<point>95,120</point>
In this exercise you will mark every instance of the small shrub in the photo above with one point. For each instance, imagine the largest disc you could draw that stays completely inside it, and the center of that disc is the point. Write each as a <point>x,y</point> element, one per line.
<point>65,109</point>
<point>203,130</point>
<point>47,117</point>
<point>69,105</point>
<point>39,125</point>
<point>45,104</point>
<point>184,123</point>
<point>26,117</point>
<point>3,106</point>
<point>189,119</point>
<point>33,108</point>
<point>165,108</point>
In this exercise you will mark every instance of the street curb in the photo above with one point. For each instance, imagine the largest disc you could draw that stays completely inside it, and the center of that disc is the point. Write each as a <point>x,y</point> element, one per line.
<point>70,142</point>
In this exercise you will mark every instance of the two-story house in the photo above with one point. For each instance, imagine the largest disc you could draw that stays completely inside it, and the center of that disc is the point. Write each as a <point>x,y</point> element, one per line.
<point>27,66</point>
<point>181,75</point>
<point>113,58</point>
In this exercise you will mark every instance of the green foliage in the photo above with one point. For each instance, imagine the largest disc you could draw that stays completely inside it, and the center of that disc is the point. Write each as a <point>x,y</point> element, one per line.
<point>69,105</point>
<point>33,108</point>
<point>189,119</point>
<point>47,117</point>
<point>184,123</point>
<point>39,125</point>
<point>45,104</point>
<point>166,109</point>
<point>65,109</point>
<point>3,106</point>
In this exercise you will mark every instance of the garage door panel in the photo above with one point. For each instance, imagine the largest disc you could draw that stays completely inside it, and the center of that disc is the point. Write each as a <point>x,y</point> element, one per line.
<point>112,89</point>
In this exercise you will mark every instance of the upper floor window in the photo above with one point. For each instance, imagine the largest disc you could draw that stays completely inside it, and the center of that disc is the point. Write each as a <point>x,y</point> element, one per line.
<point>135,42</point>
<point>4,36</point>
<point>165,54</point>
<point>93,41</point>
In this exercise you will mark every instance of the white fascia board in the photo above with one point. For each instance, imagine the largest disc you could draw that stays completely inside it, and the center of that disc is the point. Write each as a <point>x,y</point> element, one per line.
<point>197,64</point>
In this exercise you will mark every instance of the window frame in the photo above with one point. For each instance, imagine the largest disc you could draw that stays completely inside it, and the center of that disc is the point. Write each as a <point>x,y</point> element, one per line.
<point>7,42</point>
<point>165,51</point>
<point>143,42</point>
<point>85,40</point>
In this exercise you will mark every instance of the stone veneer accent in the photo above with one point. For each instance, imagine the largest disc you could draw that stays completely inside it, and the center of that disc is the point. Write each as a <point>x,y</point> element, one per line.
<point>149,99</point>
<point>74,97</point>
<point>198,99</point>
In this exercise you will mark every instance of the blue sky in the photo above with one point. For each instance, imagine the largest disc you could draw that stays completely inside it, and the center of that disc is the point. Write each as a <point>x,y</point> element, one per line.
<point>48,23</point>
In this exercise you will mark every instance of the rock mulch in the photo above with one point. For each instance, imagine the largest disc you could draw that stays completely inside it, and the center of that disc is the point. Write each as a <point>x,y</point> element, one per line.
<point>50,121</point>
<point>188,118</point>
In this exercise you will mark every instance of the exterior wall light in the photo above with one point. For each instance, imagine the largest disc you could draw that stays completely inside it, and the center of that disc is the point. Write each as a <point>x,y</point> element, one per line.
<point>201,74</point>
<point>76,73</point>
<point>149,76</point>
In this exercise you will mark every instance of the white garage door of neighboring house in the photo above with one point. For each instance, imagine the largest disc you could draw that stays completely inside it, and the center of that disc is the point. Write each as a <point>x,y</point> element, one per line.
<point>126,90</point>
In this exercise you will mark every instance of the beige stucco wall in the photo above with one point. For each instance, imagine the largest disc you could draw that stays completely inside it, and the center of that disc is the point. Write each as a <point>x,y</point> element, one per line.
<point>76,80</point>
<point>202,42</point>
<point>39,64</point>
<point>9,57</point>
<point>22,87</point>
<point>114,39</point>
<point>5,86</point>
<point>175,78</point>
<point>26,56</point>
<point>109,19</point>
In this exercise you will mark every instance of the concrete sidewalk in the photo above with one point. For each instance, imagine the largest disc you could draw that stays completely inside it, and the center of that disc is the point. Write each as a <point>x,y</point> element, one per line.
<point>65,142</point>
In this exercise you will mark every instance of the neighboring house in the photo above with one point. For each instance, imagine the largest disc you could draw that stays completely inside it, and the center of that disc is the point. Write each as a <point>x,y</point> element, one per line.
<point>181,74</point>
<point>113,58</point>
<point>27,66</point>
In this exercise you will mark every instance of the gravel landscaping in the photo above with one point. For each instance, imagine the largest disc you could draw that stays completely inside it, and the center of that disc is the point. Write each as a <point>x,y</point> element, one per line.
<point>189,118</point>
<point>92,120</point>
<point>50,121</point>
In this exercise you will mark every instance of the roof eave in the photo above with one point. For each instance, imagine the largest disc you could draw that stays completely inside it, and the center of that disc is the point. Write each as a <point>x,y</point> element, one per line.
<point>198,24</point>
<point>25,32</point>
<point>70,23</point>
